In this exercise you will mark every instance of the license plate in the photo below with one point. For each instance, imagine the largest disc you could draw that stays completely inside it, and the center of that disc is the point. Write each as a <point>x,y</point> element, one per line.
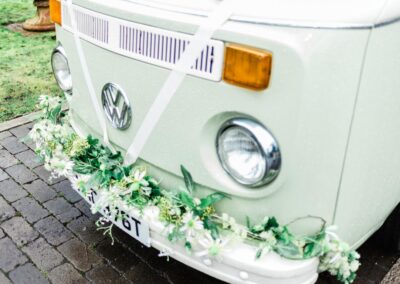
<point>132,225</point>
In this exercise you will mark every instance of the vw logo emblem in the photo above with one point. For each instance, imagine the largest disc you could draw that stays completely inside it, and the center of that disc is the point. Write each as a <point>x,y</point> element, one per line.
<point>116,106</point>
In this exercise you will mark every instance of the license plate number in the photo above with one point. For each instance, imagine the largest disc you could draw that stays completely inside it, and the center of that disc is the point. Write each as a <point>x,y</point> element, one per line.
<point>132,225</point>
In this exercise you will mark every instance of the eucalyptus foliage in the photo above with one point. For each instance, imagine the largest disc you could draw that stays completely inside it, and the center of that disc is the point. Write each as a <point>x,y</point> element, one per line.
<point>188,219</point>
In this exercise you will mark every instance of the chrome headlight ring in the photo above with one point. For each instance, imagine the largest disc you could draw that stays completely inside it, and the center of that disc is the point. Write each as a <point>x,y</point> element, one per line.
<point>61,71</point>
<point>248,152</point>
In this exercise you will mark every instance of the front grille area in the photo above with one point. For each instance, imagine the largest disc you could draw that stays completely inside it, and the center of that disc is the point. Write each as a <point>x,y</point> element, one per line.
<point>89,25</point>
<point>148,44</point>
<point>166,49</point>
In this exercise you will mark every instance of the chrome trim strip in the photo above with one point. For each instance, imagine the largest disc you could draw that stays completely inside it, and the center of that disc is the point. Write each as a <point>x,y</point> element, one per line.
<point>387,22</point>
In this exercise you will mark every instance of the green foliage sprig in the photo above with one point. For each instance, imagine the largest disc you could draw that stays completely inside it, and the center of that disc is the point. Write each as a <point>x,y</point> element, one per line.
<point>188,219</point>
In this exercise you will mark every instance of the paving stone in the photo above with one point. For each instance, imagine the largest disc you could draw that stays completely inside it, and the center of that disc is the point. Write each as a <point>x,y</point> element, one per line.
<point>69,215</point>
<point>29,158</point>
<point>5,134</point>
<point>6,159</point>
<point>44,256</point>
<point>86,230</point>
<point>11,190</point>
<point>21,173</point>
<point>393,275</point>
<point>119,257</point>
<point>13,255</point>
<point>30,144</point>
<point>27,274</point>
<point>30,209</point>
<point>3,175</point>
<point>102,274</point>
<point>125,261</point>
<point>67,191</point>
<point>4,279</point>
<point>58,206</point>
<point>78,253</point>
<point>63,210</point>
<point>40,190</point>
<point>66,274</point>
<point>6,211</point>
<point>134,245</point>
<point>13,145</point>
<point>53,231</point>
<point>22,131</point>
<point>143,274</point>
<point>45,175</point>
<point>185,273</point>
<point>84,207</point>
<point>19,230</point>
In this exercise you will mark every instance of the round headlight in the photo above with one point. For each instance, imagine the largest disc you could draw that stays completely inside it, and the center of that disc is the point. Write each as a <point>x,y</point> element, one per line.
<point>248,152</point>
<point>61,71</point>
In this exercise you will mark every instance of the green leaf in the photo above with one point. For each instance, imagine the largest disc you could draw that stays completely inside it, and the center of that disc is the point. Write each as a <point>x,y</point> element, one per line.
<point>284,235</point>
<point>211,199</point>
<point>188,246</point>
<point>271,223</point>
<point>155,191</point>
<point>289,250</point>
<point>186,199</point>
<point>94,180</point>
<point>175,235</point>
<point>54,113</point>
<point>92,141</point>
<point>83,168</point>
<point>248,224</point>
<point>312,249</point>
<point>187,177</point>
<point>259,252</point>
<point>212,227</point>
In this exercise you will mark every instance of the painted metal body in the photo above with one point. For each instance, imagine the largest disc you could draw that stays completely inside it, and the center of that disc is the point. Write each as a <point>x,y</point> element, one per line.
<point>332,103</point>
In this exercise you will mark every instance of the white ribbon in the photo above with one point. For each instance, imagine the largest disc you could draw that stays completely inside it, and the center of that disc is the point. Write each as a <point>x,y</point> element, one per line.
<point>87,77</point>
<point>199,41</point>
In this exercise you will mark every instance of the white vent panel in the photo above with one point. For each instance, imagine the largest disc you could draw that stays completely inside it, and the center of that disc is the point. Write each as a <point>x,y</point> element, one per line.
<point>152,45</point>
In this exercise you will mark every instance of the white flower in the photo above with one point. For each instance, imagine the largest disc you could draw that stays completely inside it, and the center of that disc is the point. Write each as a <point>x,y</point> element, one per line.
<point>79,182</point>
<point>43,101</point>
<point>240,231</point>
<point>138,175</point>
<point>47,166</point>
<point>47,101</point>
<point>151,214</point>
<point>228,221</point>
<point>105,198</point>
<point>269,238</point>
<point>212,247</point>
<point>196,201</point>
<point>61,166</point>
<point>35,134</point>
<point>191,225</point>
<point>354,265</point>
<point>146,190</point>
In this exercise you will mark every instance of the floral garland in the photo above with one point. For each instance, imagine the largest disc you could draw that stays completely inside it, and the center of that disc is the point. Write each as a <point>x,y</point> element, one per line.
<point>190,220</point>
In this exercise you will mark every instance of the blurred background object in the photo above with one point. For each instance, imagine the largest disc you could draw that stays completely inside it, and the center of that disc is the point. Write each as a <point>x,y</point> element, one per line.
<point>41,22</point>
<point>25,70</point>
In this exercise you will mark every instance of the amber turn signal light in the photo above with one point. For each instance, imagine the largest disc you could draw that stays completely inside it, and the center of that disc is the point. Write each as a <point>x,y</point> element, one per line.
<point>55,11</point>
<point>247,67</point>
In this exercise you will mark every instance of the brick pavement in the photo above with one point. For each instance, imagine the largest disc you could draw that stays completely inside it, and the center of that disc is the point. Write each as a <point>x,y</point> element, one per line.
<point>48,234</point>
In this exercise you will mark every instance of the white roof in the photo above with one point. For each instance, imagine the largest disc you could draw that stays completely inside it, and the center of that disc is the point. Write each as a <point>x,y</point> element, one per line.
<point>307,13</point>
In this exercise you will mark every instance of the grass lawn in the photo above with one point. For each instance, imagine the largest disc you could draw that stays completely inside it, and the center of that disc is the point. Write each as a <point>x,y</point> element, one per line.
<point>25,70</point>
